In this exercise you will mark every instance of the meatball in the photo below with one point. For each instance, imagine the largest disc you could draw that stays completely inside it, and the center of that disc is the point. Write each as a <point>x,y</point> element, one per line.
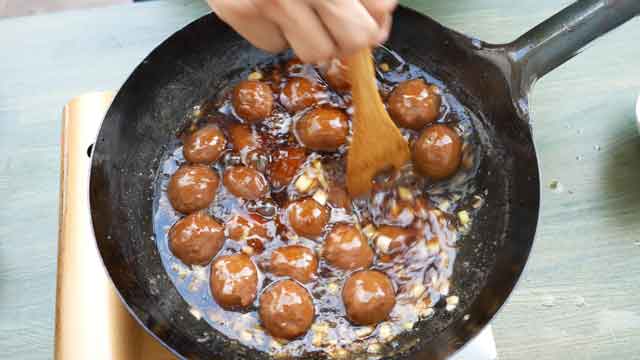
<point>368,297</point>
<point>286,309</point>
<point>245,182</point>
<point>252,100</point>
<point>234,281</point>
<point>296,261</point>
<point>346,248</point>
<point>392,240</point>
<point>307,217</point>
<point>205,145</point>
<point>300,93</point>
<point>339,198</point>
<point>242,138</point>
<point>192,187</point>
<point>196,238</point>
<point>413,104</point>
<point>246,227</point>
<point>437,152</point>
<point>284,165</point>
<point>337,75</point>
<point>323,129</point>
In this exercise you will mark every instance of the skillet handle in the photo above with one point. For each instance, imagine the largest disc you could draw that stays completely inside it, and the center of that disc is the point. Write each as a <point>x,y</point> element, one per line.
<point>565,35</point>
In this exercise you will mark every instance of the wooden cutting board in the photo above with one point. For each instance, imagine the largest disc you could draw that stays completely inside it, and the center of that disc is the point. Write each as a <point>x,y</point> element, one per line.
<point>91,321</point>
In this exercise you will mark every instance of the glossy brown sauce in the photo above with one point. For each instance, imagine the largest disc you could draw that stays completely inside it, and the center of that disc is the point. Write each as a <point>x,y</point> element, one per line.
<point>419,259</point>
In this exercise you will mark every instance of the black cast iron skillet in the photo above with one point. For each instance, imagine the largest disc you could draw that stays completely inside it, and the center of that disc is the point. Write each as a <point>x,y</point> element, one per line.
<point>207,56</point>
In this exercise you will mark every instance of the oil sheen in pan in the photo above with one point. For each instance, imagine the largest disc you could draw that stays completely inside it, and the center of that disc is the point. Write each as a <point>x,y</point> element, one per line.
<point>456,201</point>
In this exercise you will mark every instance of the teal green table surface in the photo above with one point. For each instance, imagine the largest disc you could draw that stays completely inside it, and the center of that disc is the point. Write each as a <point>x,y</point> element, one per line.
<point>580,295</point>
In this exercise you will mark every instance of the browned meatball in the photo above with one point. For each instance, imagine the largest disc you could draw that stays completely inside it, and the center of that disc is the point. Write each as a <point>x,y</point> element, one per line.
<point>413,104</point>
<point>437,152</point>
<point>300,93</point>
<point>285,164</point>
<point>323,129</point>
<point>307,217</point>
<point>242,138</point>
<point>234,281</point>
<point>192,187</point>
<point>368,297</point>
<point>339,198</point>
<point>252,100</point>
<point>205,145</point>
<point>196,238</point>
<point>336,74</point>
<point>392,240</point>
<point>246,227</point>
<point>245,182</point>
<point>286,309</point>
<point>347,249</point>
<point>296,261</point>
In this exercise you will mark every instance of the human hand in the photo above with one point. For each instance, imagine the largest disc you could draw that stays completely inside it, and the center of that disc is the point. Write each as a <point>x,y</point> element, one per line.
<point>317,30</point>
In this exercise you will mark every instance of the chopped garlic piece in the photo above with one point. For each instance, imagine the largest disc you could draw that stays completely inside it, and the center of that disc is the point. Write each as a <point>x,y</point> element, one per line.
<point>383,243</point>
<point>444,206</point>
<point>256,75</point>
<point>374,348</point>
<point>385,331</point>
<point>245,335</point>
<point>369,231</point>
<point>248,250</point>
<point>405,194</point>
<point>333,288</point>
<point>322,327</point>
<point>304,183</point>
<point>318,339</point>
<point>364,331</point>
<point>463,216</point>
<point>408,325</point>
<point>417,290</point>
<point>321,197</point>
<point>424,313</point>
<point>453,300</point>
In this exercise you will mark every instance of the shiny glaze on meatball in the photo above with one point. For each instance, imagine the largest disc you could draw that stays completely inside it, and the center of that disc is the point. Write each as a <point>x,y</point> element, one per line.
<point>196,238</point>
<point>300,93</point>
<point>437,152</point>
<point>192,187</point>
<point>234,281</point>
<point>242,138</point>
<point>284,165</point>
<point>414,104</point>
<point>307,217</point>
<point>245,182</point>
<point>295,261</point>
<point>205,145</point>
<point>346,248</point>
<point>286,309</point>
<point>323,129</point>
<point>252,100</point>
<point>368,297</point>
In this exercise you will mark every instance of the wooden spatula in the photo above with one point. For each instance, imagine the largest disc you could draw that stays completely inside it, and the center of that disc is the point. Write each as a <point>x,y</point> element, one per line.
<point>377,144</point>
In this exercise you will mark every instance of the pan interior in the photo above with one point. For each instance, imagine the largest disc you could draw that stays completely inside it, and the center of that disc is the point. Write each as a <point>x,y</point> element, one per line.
<point>140,129</point>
